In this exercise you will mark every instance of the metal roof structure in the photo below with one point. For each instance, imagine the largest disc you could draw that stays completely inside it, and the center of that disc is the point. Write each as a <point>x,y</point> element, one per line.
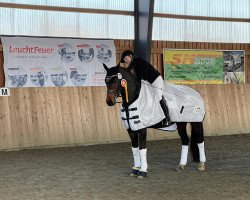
<point>226,21</point>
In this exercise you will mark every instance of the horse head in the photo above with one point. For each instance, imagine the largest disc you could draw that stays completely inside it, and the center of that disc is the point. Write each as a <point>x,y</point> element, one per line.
<point>120,81</point>
<point>113,83</point>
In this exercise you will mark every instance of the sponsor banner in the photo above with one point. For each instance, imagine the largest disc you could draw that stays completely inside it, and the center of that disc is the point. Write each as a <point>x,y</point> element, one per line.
<point>56,62</point>
<point>203,67</point>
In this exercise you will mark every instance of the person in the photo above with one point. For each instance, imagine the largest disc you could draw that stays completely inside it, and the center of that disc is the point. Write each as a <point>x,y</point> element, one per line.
<point>143,70</point>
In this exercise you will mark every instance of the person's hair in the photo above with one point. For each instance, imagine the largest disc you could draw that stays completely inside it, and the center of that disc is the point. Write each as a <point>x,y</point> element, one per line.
<point>126,53</point>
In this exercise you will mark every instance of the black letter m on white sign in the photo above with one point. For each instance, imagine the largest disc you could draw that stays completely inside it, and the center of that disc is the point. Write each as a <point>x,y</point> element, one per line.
<point>4,92</point>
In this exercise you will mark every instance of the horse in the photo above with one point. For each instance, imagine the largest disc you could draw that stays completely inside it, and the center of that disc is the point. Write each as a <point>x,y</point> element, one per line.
<point>121,82</point>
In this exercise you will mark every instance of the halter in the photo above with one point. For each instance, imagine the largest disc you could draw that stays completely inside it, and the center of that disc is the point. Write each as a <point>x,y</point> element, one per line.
<point>128,86</point>
<point>108,79</point>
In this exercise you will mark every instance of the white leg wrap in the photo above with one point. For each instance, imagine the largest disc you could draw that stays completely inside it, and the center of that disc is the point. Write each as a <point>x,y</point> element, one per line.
<point>144,164</point>
<point>202,152</point>
<point>184,154</point>
<point>137,159</point>
<point>158,84</point>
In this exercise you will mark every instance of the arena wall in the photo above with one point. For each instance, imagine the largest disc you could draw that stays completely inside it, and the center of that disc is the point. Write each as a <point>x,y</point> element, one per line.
<point>68,116</point>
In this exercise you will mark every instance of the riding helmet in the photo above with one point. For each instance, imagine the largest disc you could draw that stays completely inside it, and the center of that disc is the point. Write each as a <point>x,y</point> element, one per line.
<point>126,53</point>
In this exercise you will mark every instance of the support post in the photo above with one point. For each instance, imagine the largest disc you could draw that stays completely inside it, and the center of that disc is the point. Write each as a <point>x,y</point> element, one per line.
<point>143,28</point>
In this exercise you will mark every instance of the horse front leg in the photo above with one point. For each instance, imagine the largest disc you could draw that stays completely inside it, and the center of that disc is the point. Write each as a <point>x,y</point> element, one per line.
<point>181,127</point>
<point>135,152</point>
<point>143,153</point>
<point>139,151</point>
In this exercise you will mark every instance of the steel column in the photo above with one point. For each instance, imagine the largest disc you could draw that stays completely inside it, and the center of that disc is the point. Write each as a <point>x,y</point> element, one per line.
<point>143,27</point>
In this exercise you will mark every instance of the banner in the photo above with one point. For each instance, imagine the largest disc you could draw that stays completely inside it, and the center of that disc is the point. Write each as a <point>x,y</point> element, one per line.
<point>233,66</point>
<point>203,67</point>
<point>56,62</point>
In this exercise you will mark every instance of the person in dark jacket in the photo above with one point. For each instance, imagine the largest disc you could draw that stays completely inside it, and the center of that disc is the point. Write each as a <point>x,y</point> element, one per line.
<point>143,70</point>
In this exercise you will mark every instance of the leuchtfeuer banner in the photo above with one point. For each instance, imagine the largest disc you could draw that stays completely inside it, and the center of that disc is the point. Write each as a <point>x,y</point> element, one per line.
<point>56,62</point>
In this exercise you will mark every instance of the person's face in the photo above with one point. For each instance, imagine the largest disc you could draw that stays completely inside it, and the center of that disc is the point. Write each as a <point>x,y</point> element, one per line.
<point>128,59</point>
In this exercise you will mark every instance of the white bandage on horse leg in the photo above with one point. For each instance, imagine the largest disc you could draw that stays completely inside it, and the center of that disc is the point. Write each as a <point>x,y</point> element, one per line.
<point>202,152</point>
<point>144,164</point>
<point>137,159</point>
<point>158,84</point>
<point>184,154</point>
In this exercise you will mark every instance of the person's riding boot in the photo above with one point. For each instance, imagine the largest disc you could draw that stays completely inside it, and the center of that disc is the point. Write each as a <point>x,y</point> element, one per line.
<point>166,121</point>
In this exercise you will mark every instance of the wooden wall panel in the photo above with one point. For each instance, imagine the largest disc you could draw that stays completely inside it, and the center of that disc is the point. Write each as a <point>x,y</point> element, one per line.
<point>38,117</point>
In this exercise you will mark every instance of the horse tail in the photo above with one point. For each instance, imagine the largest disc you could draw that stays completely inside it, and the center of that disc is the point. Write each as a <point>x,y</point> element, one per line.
<point>194,148</point>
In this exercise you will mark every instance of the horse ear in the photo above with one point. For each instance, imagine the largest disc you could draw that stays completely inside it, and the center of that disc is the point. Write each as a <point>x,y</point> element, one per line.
<point>105,67</point>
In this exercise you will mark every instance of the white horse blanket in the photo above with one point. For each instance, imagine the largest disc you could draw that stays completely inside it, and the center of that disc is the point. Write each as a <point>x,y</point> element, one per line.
<point>184,104</point>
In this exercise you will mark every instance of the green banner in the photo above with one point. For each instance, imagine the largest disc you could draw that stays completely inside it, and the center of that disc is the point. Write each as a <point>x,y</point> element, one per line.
<point>195,66</point>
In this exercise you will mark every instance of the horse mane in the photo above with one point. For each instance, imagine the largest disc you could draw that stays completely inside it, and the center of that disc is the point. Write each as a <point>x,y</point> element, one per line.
<point>113,70</point>
<point>128,75</point>
<point>125,73</point>
<point>134,86</point>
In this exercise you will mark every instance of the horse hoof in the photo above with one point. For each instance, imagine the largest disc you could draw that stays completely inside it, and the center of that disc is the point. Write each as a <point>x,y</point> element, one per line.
<point>201,166</point>
<point>142,175</point>
<point>180,168</point>
<point>134,172</point>
<point>132,175</point>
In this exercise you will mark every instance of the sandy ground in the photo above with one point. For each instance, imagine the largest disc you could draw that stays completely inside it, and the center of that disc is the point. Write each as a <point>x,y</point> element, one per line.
<point>101,172</point>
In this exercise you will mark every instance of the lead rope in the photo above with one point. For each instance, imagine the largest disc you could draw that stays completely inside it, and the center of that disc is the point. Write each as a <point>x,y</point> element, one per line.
<point>124,84</point>
<point>126,92</point>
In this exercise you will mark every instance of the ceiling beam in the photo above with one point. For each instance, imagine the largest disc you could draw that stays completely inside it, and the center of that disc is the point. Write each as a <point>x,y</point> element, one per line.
<point>191,17</point>
<point>66,9</point>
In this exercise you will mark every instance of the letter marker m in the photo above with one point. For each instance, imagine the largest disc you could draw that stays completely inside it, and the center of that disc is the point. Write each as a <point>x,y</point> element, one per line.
<point>4,92</point>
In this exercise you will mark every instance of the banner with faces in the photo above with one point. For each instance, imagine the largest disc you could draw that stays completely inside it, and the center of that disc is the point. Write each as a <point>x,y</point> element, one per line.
<point>56,62</point>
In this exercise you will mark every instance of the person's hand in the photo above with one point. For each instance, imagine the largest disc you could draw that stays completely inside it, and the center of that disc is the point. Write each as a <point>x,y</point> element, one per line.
<point>121,64</point>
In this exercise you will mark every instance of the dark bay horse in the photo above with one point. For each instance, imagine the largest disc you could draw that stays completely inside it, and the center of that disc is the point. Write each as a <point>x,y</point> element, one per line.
<point>120,81</point>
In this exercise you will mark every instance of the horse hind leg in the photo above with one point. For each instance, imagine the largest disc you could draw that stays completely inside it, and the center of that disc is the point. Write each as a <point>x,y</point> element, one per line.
<point>201,166</point>
<point>194,148</point>
<point>181,126</point>
<point>197,145</point>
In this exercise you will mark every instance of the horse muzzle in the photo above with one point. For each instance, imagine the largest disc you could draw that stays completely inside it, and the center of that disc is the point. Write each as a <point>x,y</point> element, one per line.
<point>110,103</point>
<point>111,99</point>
